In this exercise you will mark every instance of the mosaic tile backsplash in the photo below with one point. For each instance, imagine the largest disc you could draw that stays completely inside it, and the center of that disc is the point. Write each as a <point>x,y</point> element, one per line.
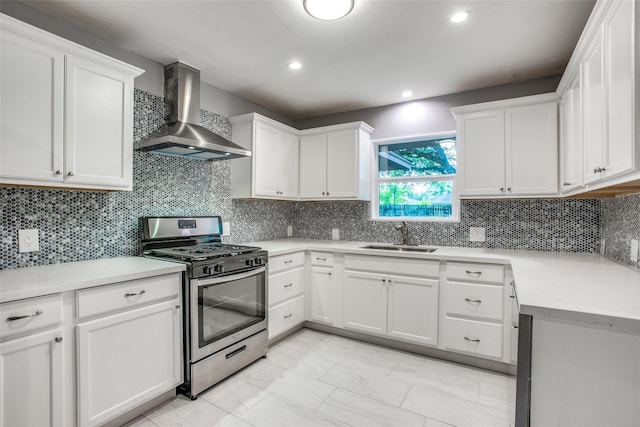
<point>541,225</point>
<point>79,225</point>
<point>620,224</point>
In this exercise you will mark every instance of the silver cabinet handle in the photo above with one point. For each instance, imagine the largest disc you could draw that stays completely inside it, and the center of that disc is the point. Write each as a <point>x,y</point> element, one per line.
<point>289,285</point>
<point>501,188</point>
<point>512,296</point>
<point>288,261</point>
<point>327,193</point>
<point>34,314</point>
<point>472,339</point>
<point>477,301</point>
<point>384,281</point>
<point>133,294</point>
<point>320,259</point>
<point>329,273</point>
<point>58,172</point>
<point>508,188</point>
<point>58,339</point>
<point>567,183</point>
<point>70,173</point>
<point>516,327</point>
<point>474,274</point>
<point>286,316</point>
<point>323,193</point>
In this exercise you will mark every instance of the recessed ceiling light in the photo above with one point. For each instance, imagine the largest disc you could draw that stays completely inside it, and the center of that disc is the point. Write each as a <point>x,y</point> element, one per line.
<point>407,94</point>
<point>295,65</point>
<point>328,10</point>
<point>459,17</point>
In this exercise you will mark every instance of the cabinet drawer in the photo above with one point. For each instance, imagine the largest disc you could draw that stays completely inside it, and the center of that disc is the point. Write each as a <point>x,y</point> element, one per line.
<point>32,313</point>
<point>322,258</point>
<point>283,262</point>
<point>103,299</point>
<point>491,273</point>
<point>393,265</point>
<point>477,300</point>
<point>285,285</point>
<point>285,316</point>
<point>470,336</point>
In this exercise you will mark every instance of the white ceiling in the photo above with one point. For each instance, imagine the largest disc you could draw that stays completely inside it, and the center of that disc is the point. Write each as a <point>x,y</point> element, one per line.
<point>364,60</point>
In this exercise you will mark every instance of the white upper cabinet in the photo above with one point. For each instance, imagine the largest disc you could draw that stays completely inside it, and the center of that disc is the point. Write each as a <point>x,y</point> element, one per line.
<point>335,162</point>
<point>508,148</point>
<point>571,137</point>
<point>601,81</point>
<point>66,115</point>
<point>272,169</point>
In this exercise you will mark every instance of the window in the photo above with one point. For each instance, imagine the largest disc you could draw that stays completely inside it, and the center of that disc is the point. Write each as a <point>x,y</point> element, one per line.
<point>416,179</point>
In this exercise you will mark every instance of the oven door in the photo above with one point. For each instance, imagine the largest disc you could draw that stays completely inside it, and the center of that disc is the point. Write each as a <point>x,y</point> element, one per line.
<point>225,310</point>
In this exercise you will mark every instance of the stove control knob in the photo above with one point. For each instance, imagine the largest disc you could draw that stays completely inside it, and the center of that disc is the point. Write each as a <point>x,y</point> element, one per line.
<point>249,262</point>
<point>208,270</point>
<point>258,261</point>
<point>218,268</point>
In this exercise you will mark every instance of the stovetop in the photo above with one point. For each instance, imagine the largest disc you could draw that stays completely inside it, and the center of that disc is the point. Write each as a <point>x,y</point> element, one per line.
<point>204,251</point>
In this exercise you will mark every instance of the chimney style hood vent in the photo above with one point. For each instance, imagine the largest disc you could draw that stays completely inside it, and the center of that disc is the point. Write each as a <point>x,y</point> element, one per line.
<point>183,136</point>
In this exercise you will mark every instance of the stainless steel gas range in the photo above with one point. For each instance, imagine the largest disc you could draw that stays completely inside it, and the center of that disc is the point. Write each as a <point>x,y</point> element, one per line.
<point>225,296</point>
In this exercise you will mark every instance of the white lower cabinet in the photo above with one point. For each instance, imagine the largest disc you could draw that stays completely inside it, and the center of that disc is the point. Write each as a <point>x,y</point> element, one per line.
<point>286,293</point>
<point>322,294</point>
<point>472,336</point>
<point>393,305</point>
<point>32,369</point>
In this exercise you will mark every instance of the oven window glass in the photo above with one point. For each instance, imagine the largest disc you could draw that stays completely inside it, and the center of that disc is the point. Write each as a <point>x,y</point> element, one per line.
<point>228,307</point>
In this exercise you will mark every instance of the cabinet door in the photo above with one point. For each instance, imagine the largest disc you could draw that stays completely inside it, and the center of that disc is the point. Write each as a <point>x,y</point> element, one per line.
<point>482,157</point>
<point>342,164</point>
<point>532,149</point>
<point>31,111</point>
<point>594,111</point>
<point>127,358</point>
<point>98,126</point>
<point>265,166</point>
<point>288,165</point>
<point>620,89</point>
<point>313,166</point>
<point>365,302</point>
<point>31,392</point>
<point>322,294</point>
<point>413,309</point>
<point>571,146</point>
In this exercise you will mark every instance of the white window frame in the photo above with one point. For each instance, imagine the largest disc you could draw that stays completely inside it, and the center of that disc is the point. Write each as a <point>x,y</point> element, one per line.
<point>375,191</point>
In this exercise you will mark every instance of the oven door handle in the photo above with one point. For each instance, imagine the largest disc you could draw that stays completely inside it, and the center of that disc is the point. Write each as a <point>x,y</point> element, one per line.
<point>230,277</point>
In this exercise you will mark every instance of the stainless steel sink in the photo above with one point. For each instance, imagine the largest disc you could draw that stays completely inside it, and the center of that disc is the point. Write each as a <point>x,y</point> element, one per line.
<point>402,248</point>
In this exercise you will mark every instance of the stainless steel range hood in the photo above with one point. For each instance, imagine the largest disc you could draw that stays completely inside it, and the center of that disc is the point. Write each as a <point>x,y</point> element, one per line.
<point>183,136</point>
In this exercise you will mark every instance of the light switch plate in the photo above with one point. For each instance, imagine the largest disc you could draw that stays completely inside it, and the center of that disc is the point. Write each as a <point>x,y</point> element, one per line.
<point>28,240</point>
<point>226,228</point>
<point>477,234</point>
<point>289,230</point>
<point>634,250</point>
<point>335,234</point>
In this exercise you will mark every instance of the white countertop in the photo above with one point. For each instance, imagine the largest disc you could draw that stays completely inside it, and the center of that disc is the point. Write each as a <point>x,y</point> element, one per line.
<point>587,288</point>
<point>20,283</point>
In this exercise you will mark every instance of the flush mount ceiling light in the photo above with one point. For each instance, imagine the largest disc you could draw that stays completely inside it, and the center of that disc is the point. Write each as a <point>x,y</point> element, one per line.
<point>328,10</point>
<point>295,65</point>
<point>459,17</point>
<point>407,94</point>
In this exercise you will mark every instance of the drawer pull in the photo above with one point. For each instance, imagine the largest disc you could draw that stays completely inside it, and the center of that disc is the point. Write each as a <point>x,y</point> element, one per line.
<point>472,339</point>
<point>286,316</point>
<point>236,352</point>
<point>516,327</point>
<point>134,294</point>
<point>58,339</point>
<point>34,314</point>
<point>474,301</point>
<point>289,285</point>
<point>288,261</point>
<point>474,274</point>
<point>320,259</point>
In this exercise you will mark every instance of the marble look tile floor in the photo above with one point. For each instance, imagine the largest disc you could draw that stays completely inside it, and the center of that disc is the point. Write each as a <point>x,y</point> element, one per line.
<point>317,379</point>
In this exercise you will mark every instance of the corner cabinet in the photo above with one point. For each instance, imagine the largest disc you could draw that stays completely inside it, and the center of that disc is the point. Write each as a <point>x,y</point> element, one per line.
<point>272,170</point>
<point>508,148</point>
<point>335,162</point>
<point>66,114</point>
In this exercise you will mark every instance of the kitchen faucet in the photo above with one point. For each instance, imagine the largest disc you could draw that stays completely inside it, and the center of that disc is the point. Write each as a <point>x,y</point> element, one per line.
<point>404,229</point>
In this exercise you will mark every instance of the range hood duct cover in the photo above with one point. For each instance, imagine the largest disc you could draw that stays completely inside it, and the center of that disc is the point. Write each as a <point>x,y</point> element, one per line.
<point>183,136</point>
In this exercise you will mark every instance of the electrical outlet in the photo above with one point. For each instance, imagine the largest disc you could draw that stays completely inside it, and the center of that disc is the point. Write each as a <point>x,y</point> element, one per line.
<point>477,234</point>
<point>634,250</point>
<point>28,240</point>
<point>335,234</point>
<point>289,230</point>
<point>226,228</point>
